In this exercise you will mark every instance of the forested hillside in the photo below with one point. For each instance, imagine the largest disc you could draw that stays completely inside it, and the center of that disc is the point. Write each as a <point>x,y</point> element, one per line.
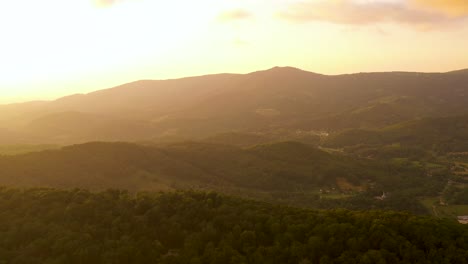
<point>277,166</point>
<point>54,226</point>
<point>438,136</point>
<point>286,172</point>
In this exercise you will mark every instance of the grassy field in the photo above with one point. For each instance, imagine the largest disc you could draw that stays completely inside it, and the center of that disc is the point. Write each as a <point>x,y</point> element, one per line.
<point>336,195</point>
<point>452,210</point>
<point>444,211</point>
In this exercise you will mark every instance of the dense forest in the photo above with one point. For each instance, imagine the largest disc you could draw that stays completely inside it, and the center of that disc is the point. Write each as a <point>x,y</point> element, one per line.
<point>78,226</point>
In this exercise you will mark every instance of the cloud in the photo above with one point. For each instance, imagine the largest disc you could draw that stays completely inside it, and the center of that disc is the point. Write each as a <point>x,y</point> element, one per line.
<point>449,7</point>
<point>367,12</point>
<point>234,15</point>
<point>105,3</point>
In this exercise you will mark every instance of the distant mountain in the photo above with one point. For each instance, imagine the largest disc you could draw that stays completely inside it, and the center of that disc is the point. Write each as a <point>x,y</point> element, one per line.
<point>271,101</point>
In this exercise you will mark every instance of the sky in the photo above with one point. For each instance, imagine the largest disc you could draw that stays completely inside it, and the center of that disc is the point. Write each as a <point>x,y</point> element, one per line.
<point>53,48</point>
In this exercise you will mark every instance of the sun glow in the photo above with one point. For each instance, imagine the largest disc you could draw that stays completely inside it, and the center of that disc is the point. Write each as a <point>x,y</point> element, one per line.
<point>51,48</point>
<point>51,41</point>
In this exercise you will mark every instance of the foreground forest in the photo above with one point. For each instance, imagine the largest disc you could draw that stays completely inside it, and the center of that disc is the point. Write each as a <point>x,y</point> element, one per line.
<point>77,226</point>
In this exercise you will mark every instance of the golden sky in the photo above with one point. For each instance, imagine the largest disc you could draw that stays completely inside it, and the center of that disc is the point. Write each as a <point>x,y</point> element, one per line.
<point>51,48</point>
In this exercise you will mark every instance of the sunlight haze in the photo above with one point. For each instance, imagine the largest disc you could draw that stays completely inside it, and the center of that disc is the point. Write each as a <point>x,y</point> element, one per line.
<point>53,48</point>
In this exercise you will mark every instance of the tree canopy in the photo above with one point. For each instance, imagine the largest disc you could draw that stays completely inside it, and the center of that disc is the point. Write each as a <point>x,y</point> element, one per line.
<point>78,226</point>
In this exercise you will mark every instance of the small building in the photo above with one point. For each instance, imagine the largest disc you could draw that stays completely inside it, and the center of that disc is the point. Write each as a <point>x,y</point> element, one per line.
<point>463,219</point>
<point>381,198</point>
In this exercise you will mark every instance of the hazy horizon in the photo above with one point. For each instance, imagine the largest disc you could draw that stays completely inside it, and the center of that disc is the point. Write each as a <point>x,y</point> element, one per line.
<point>23,99</point>
<point>53,48</point>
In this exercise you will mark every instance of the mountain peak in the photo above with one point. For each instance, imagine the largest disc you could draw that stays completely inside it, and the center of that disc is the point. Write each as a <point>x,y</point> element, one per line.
<point>277,70</point>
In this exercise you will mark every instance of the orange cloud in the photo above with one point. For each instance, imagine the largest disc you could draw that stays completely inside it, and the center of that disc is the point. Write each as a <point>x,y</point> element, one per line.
<point>235,14</point>
<point>366,12</point>
<point>450,7</point>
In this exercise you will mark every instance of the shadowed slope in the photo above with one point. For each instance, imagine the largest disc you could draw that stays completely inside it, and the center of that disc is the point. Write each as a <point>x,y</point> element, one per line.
<point>281,166</point>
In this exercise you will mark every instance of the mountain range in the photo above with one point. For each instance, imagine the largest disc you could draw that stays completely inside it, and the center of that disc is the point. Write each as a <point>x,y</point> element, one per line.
<point>278,103</point>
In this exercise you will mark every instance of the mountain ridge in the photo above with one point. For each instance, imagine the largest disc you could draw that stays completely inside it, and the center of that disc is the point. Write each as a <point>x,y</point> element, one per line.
<point>278,99</point>
<point>274,69</point>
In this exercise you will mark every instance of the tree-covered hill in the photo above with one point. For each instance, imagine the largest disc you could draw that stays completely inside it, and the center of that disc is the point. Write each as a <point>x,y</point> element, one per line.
<point>441,135</point>
<point>283,166</point>
<point>251,139</point>
<point>77,226</point>
<point>286,172</point>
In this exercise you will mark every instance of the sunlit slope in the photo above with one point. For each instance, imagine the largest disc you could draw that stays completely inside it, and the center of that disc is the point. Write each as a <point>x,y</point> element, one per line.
<point>266,101</point>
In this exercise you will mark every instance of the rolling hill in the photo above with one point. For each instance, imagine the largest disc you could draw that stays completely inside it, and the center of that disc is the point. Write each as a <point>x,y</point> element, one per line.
<point>276,167</point>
